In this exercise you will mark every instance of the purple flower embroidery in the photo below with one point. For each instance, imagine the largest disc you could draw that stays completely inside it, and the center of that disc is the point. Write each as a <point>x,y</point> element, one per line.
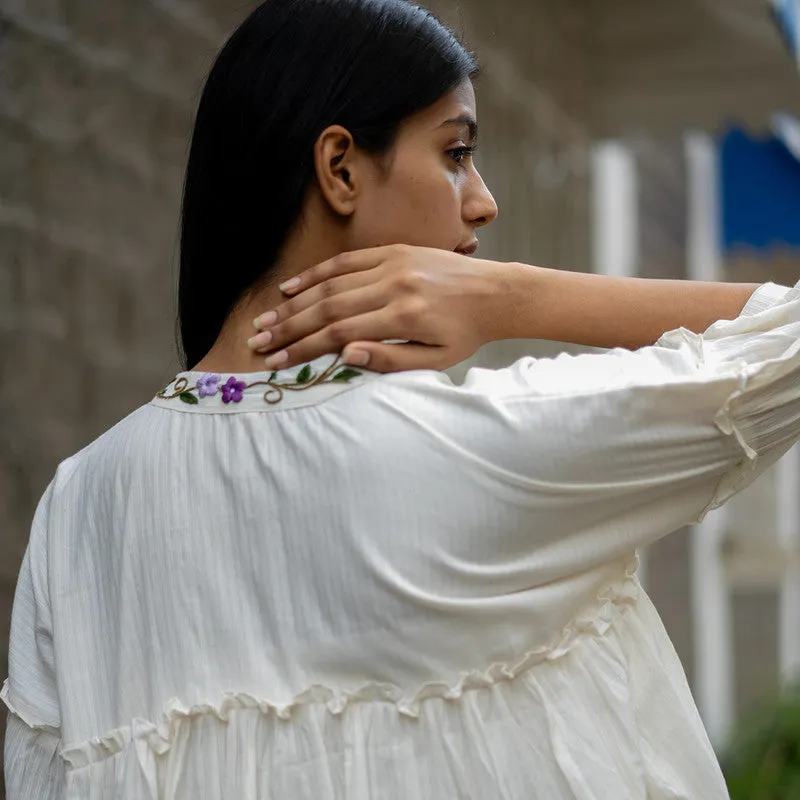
<point>207,385</point>
<point>232,390</point>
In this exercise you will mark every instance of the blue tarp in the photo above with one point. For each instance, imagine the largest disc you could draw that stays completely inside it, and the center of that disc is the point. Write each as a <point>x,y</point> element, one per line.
<point>760,192</point>
<point>788,15</point>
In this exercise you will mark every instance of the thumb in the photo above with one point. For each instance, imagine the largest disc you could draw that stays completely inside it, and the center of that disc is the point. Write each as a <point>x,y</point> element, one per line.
<point>380,357</point>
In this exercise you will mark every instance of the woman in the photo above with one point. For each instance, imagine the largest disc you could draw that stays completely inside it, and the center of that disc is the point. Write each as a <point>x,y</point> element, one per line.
<point>318,581</point>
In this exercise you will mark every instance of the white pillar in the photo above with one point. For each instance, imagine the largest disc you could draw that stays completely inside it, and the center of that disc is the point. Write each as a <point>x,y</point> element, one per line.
<point>615,210</point>
<point>615,225</point>
<point>711,615</point>
<point>788,481</point>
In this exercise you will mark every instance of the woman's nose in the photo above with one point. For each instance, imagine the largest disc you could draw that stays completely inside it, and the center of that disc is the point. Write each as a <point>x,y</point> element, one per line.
<point>482,208</point>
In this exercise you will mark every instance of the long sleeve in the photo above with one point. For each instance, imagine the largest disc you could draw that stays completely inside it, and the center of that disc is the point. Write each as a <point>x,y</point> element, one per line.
<point>33,766</point>
<point>34,769</point>
<point>609,451</point>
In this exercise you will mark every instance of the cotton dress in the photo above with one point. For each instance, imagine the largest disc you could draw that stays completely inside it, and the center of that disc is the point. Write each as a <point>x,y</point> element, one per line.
<point>340,586</point>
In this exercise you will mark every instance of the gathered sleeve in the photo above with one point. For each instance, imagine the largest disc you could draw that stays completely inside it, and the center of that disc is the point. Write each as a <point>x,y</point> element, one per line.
<point>613,450</point>
<point>33,764</point>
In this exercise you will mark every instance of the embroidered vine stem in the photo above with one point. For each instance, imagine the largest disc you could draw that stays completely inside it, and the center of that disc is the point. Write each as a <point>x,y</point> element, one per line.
<point>232,390</point>
<point>275,393</point>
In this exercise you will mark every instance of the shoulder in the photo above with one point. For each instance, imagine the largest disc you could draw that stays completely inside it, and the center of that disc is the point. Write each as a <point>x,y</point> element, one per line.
<point>557,400</point>
<point>531,377</point>
<point>479,407</point>
<point>115,445</point>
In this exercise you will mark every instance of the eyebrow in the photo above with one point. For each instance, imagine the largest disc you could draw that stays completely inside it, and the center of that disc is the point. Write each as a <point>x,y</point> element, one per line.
<point>464,121</point>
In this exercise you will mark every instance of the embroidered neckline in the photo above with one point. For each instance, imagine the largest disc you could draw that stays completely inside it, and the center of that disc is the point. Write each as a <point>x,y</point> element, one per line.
<point>211,384</point>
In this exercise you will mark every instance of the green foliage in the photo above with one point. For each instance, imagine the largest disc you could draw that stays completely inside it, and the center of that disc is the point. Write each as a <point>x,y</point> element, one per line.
<point>304,376</point>
<point>763,759</point>
<point>346,374</point>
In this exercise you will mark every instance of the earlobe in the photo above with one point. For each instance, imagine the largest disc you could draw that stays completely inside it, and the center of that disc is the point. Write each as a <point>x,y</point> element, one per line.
<point>332,159</point>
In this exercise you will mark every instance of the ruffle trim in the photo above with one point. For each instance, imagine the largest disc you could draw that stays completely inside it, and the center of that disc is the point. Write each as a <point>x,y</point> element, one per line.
<point>159,737</point>
<point>748,380</point>
<point>728,423</point>
<point>25,716</point>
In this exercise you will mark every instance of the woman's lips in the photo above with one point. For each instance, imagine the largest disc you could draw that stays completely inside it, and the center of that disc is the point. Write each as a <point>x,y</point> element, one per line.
<point>468,250</point>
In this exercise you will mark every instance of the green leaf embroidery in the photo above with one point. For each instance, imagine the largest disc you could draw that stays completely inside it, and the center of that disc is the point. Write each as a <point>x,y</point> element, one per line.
<point>346,374</point>
<point>304,376</point>
<point>273,376</point>
<point>189,398</point>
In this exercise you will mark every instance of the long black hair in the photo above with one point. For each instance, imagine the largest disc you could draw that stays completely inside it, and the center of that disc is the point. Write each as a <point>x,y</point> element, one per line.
<point>290,70</point>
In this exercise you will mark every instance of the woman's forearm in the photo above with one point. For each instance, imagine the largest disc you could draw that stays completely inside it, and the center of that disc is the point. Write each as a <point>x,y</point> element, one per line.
<point>604,311</point>
<point>455,303</point>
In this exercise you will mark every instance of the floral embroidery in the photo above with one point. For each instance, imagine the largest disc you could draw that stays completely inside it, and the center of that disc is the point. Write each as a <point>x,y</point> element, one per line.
<point>207,385</point>
<point>232,390</point>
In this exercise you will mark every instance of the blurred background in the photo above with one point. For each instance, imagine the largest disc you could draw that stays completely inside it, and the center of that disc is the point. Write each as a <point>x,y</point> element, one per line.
<point>629,137</point>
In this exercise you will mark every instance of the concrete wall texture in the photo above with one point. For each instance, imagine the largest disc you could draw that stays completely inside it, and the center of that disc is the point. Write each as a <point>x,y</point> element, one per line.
<point>96,106</point>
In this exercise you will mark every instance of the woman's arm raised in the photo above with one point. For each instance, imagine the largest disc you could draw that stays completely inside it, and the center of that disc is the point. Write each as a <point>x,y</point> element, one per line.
<point>447,305</point>
<point>605,311</point>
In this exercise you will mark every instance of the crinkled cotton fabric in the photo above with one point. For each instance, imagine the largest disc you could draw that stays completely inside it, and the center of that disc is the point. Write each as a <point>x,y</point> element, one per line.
<point>389,586</point>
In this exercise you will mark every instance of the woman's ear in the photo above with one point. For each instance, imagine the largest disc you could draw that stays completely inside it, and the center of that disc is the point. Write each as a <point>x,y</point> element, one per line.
<point>336,168</point>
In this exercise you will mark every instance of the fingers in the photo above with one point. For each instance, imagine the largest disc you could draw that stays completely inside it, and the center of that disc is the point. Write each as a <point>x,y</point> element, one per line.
<point>397,357</point>
<point>330,339</point>
<point>341,264</point>
<point>326,295</point>
<point>328,313</point>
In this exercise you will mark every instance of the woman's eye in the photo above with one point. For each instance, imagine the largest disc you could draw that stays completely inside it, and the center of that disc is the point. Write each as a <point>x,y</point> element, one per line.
<point>459,153</point>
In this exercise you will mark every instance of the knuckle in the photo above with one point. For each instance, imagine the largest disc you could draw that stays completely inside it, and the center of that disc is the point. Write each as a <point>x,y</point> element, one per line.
<point>328,289</point>
<point>327,311</point>
<point>317,273</point>
<point>388,361</point>
<point>339,264</point>
<point>410,311</point>
<point>339,334</point>
<point>286,310</point>
<point>409,280</point>
<point>281,333</point>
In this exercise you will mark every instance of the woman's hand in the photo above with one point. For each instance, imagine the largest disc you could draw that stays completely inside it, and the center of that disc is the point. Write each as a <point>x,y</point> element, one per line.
<point>443,304</point>
<point>446,305</point>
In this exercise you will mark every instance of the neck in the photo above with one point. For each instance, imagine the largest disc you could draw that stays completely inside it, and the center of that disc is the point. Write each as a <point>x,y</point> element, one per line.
<point>230,352</point>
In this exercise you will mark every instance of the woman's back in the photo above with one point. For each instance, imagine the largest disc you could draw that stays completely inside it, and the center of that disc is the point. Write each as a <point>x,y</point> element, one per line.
<point>391,586</point>
<point>348,535</point>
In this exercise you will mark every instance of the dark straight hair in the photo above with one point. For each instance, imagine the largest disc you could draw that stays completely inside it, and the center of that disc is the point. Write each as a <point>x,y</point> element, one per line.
<point>290,70</point>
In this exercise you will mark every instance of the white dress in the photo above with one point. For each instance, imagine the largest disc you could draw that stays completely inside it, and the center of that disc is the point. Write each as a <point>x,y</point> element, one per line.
<point>389,586</point>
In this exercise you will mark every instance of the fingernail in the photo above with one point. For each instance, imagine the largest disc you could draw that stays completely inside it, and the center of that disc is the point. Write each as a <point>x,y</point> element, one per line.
<point>277,358</point>
<point>259,340</point>
<point>356,358</point>
<point>268,318</point>
<point>287,286</point>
